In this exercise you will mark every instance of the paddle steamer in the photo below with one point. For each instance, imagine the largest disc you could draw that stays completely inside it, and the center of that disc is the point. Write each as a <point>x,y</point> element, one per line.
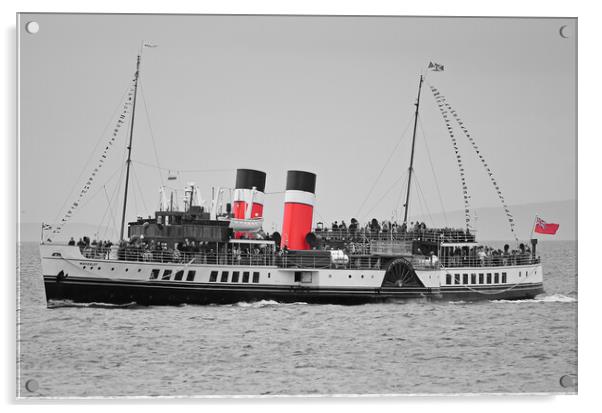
<point>221,254</point>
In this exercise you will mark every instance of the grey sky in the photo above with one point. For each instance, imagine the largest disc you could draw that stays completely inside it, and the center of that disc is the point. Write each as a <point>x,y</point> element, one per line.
<point>331,95</point>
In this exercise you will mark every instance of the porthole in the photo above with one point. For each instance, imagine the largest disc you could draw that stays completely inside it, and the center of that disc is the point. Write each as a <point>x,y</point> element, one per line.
<point>269,275</point>
<point>362,275</point>
<point>349,275</point>
<point>113,269</point>
<point>329,275</point>
<point>126,270</point>
<point>139,269</point>
<point>84,267</point>
<point>99,268</point>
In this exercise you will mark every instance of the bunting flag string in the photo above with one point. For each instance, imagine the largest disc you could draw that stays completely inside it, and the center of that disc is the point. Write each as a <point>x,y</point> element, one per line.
<point>444,106</point>
<point>444,113</point>
<point>125,111</point>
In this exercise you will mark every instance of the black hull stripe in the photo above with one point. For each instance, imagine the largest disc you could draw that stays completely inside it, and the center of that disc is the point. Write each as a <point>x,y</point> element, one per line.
<point>144,292</point>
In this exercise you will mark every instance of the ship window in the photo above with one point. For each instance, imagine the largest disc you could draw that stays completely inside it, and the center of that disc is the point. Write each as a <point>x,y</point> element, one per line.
<point>448,279</point>
<point>488,278</point>
<point>179,275</point>
<point>464,278</point>
<point>298,276</point>
<point>224,278</point>
<point>520,274</point>
<point>504,278</point>
<point>473,278</point>
<point>269,275</point>
<point>213,277</point>
<point>190,275</point>
<point>245,276</point>
<point>481,276</point>
<point>306,277</point>
<point>456,278</point>
<point>496,279</point>
<point>526,273</point>
<point>166,275</point>
<point>235,277</point>
<point>255,277</point>
<point>154,274</point>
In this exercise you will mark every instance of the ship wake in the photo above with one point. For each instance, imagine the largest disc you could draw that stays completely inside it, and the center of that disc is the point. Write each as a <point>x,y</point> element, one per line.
<point>553,298</point>
<point>69,303</point>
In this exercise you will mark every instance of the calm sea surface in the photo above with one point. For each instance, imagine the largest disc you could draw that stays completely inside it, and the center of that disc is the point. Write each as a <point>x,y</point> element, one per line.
<point>271,348</point>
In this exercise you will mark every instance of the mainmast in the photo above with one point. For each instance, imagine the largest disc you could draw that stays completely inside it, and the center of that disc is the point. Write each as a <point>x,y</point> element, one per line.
<point>411,169</point>
<point>129,160</point>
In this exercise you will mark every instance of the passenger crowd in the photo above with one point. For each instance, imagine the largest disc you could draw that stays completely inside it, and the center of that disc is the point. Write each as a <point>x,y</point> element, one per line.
<point>484,256</point>
<point>138,249</point>
<point>391,229</point>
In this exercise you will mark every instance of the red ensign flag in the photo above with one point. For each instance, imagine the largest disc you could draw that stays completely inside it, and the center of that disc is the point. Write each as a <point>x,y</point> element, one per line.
<point>543,227</point>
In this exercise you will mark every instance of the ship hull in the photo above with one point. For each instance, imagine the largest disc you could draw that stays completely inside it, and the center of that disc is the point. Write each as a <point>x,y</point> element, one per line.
<point>70,276</point>
<point>81,290</point>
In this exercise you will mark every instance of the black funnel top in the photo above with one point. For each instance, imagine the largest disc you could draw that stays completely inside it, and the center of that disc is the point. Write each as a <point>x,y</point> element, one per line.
<point>301,181</point>
<point>249,178</point>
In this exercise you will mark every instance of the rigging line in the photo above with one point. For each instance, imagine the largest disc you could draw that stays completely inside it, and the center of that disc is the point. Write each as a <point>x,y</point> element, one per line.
<point>184,170</point>
<point>115,195</point>
<point>139,189</point>
<point>111,215</point>
<point>95,193</point>
<point>433,170</point>
<point>403,135</point>
<point>440,99</point>
<point>384,195</point>
<point>421,194</point>
<point>460,123</point>
<point>136,209</point>
<point>151,131</point>
<point>420,206</point>
<point>398,206</point>
<point>92,153</point>
<point>108,211</point>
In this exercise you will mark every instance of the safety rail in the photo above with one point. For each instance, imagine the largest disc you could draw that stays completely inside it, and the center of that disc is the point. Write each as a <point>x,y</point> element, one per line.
<point>241,258</point>
<point>352,263</point>
<point>488,261</point>
<point>230,258</point>
<point>435,235</point>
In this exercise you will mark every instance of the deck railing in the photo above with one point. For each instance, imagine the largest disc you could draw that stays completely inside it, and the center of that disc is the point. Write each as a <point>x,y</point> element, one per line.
<point>426,235</point>
<point>289,260</point>
<point>489,261</point>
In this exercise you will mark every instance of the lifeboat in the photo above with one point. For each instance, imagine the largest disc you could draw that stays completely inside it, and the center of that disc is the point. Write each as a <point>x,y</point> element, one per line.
<point>246,225</point>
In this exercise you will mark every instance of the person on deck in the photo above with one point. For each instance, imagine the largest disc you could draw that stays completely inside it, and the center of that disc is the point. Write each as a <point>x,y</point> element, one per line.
<point>71,241</point>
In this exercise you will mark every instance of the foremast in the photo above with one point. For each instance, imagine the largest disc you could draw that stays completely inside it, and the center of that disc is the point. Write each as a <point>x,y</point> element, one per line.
<point>129,148</point>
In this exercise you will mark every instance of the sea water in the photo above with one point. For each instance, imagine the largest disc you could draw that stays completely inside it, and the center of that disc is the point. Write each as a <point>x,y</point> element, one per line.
<point>270,348</point>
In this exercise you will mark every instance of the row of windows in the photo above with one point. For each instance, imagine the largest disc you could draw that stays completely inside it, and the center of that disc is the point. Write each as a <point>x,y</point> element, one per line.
<point>179,275</point>
<point>488,278</point>
<point>235,276</point>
